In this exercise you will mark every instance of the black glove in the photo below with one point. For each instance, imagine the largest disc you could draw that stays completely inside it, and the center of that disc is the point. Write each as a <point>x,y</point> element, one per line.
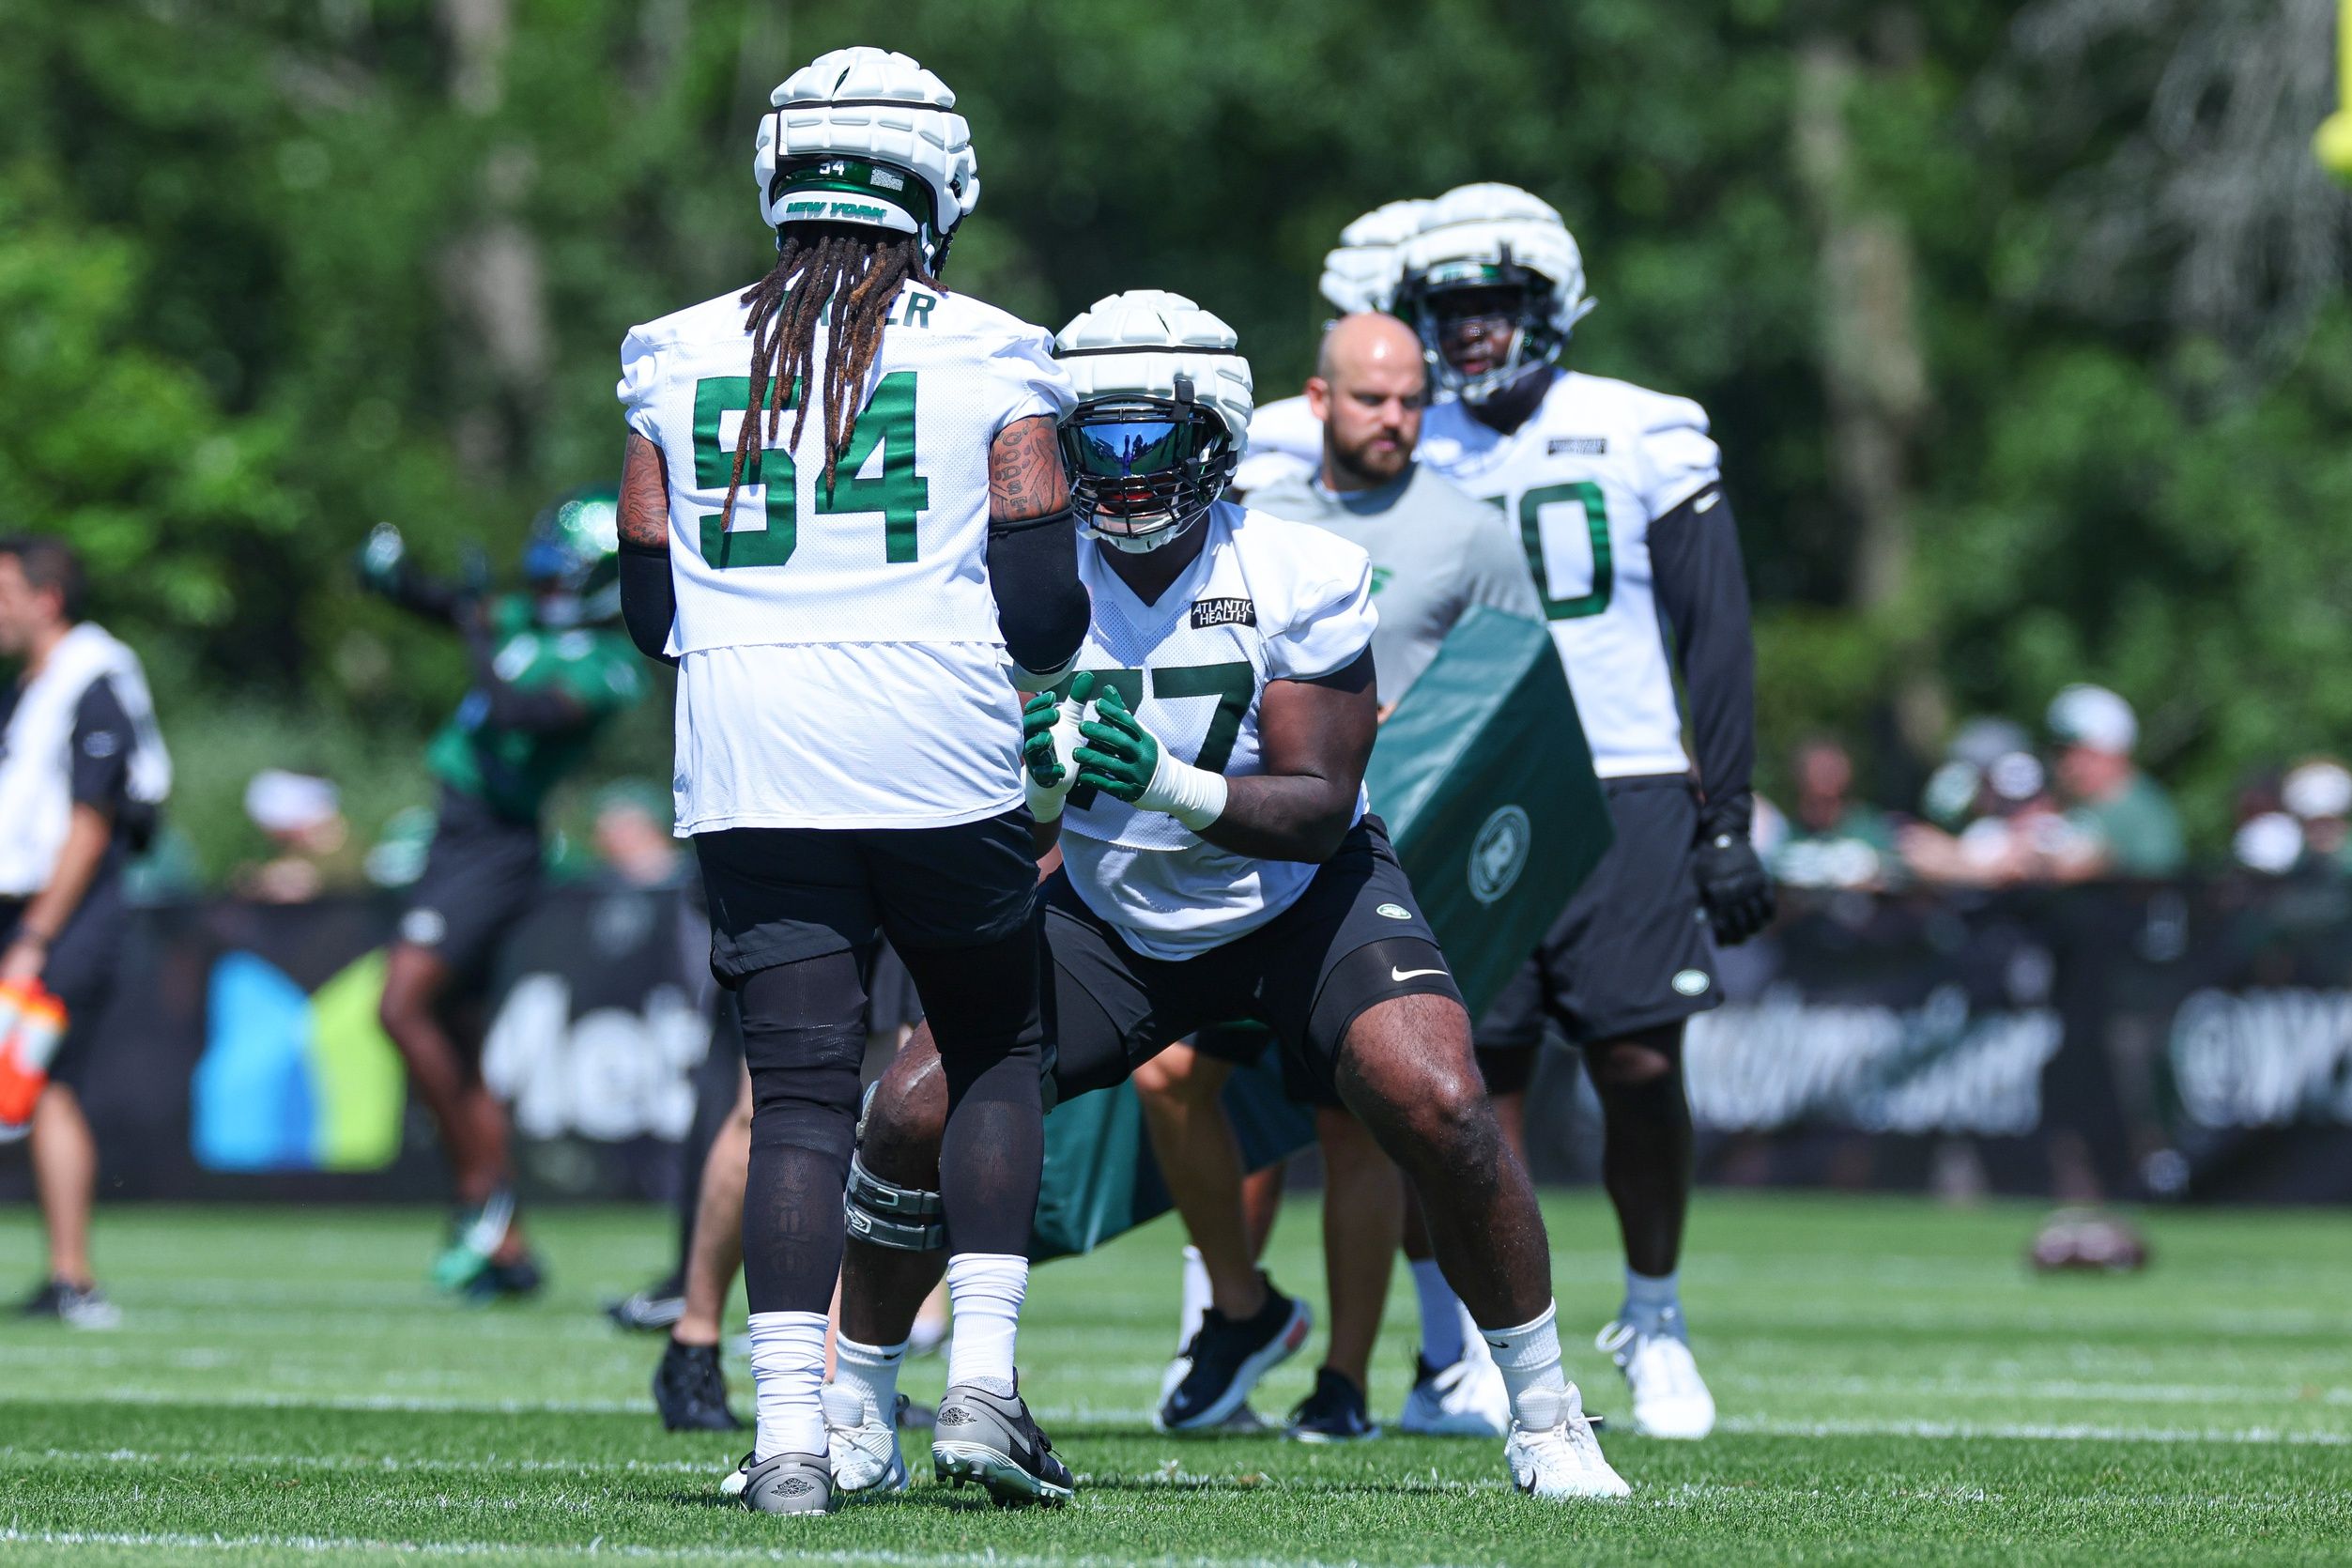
<point>1733,886</point>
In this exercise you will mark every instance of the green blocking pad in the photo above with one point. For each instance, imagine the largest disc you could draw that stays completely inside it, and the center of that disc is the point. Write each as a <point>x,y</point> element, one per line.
<point>1485,781</point>
<point>1487,784</point>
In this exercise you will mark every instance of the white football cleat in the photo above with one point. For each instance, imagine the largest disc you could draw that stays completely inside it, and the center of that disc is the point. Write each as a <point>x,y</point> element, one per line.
<point>1561,1460</point>
<point>1464,1400</point>
<point>862,1444</point>
<point>1670,1399</point>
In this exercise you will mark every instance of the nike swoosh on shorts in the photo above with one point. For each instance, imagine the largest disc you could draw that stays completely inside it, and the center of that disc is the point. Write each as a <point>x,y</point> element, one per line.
<point>1396,974</point>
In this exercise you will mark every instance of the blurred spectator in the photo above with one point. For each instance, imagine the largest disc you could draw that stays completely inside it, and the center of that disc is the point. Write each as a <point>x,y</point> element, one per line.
<point>1831,840</point>
<point>632,834</point>
<point>2010,830</point>
<point>2125,817</point>
<point>2317,795</point>
<point>312,850</point>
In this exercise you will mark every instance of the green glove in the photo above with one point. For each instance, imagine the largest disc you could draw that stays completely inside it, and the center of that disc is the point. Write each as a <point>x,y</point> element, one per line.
<point>1125,760</point>
<point>1049,738</point>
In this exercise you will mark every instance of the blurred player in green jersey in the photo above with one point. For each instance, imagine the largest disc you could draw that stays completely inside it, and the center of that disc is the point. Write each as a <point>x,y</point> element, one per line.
<point>549,667</point>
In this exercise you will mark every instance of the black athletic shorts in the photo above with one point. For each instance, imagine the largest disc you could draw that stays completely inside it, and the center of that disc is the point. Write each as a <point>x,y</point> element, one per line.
<point>1632,949</point>
<point>779,895</point>
<point>482,875</point>
<point>81,966</point>
<point>1307,975</point>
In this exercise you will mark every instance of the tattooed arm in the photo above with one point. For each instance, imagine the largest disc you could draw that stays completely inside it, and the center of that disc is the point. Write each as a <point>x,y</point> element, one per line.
<point>1041,607</point>
<point>648,601</point>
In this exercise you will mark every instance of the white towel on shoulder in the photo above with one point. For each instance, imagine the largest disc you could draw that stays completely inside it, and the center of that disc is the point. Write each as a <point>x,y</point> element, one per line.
<point>36,756</point>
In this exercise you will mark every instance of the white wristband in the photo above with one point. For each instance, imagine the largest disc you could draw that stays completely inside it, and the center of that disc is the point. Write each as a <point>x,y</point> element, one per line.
<point>1045,802</point>
<point>1030,681</point>
<point>1194,797</point>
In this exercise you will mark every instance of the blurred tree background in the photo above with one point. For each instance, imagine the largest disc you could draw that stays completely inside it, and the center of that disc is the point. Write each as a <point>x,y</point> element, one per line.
<point>2021,327</point>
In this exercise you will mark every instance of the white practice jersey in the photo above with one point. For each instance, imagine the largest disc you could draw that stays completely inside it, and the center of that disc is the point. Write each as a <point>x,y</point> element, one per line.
<point>839,660</point>
<point>1267,600</point>
<point>1581,481</point>
<point>1286,441</point>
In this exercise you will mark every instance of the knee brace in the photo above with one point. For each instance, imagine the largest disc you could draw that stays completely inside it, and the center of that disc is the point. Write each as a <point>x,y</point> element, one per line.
<point>905,1219</point>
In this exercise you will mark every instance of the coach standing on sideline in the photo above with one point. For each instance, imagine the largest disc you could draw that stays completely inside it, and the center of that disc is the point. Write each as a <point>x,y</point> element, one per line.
<point>82,773</point>
<point>1435,554</point>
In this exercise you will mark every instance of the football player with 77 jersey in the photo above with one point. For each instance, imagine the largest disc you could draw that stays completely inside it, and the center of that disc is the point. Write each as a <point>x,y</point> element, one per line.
<point>1219,864</point>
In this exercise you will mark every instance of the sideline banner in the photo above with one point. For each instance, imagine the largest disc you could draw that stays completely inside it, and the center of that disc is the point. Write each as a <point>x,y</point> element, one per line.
<point>241,1058</point>
<point>2186,1041</point>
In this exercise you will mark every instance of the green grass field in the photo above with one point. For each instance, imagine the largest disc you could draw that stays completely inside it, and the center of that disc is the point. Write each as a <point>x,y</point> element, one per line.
<point>1895,1387</point>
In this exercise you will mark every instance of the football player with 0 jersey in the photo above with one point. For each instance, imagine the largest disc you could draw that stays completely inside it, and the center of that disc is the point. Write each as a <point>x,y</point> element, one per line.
<point>1617,497</point>
<point>1207,762</point>
<point>844,516</point>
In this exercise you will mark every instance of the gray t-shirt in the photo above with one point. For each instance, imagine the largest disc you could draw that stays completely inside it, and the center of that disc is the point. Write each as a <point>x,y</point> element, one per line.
<point>1434,553</point>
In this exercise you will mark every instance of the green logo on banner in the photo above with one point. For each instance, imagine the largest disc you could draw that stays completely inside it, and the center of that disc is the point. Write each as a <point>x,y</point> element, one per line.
<point>1499,853</point>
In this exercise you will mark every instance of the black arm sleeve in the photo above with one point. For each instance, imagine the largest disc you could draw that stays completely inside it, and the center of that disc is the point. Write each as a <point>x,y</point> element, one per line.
<point>649,600</point>
<point>1041,607</point>
<point>537,710</point>
<point>1701,586</point>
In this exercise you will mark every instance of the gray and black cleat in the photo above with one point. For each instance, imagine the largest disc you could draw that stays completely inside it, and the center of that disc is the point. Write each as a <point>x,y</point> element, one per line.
<point>785,1484</point>
<point>990,1438</point>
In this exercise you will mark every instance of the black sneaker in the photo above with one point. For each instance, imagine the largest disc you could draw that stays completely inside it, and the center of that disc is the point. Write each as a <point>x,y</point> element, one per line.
<point>653,1310</point>
<point>1229,1358</point>
<point>1336,1412</point>
<point>76,1306</point>
<point>499,1282</point>
<point>690,1390</point>
<point>985,1436</point>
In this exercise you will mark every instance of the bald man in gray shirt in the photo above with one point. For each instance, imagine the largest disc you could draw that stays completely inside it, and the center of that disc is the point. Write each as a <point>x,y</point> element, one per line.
<point>1434,551</point>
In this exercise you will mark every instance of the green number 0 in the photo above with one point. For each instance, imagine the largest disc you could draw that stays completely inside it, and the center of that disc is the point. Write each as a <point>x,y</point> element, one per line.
<point>1232,685</point>
<point>898,493</point>
<point>1532,536</point>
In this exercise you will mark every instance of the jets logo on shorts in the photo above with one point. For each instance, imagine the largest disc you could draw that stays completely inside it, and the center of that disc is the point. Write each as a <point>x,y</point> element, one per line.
<point>1691,982</point>
<point>1394,912</point>
<point>1499,853</point>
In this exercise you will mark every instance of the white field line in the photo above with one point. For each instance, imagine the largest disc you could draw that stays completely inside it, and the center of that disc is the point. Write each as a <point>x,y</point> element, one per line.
<point>1982,1389</point>
<point>361,1464</point>
<point>599,1548</point>
<point>2030,1432</point>
<point>411,1404</point>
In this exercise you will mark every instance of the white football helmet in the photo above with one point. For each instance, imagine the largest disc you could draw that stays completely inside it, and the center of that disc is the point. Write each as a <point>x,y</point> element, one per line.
<point>866,136</point>
<point>1162,416</point>
<point>1360,275</point>
<point>1479,245</point>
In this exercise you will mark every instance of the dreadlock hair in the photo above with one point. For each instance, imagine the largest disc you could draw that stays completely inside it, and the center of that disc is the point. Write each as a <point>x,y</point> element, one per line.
<point>860,270</point>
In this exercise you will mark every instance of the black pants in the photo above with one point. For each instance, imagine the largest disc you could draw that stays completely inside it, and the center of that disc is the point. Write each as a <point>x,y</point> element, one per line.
<point>797,918</point>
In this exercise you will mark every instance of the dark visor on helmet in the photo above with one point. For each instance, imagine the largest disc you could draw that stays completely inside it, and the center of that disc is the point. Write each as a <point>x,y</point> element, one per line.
<point>1132,459</point>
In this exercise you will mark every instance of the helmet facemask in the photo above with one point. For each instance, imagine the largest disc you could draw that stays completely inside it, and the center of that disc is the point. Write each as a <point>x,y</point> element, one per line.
<point>1143,469</point>
<point>1461,309</point>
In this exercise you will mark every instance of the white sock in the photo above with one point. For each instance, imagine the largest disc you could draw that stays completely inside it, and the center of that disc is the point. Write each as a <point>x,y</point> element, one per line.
<point>1441,1315</point>
<point>869,1371</point>
<point>1196,1299</point>
<point>985,1290</point>
<point>1653,1303</point>
<point>787,1370</point>
<point>1529,1359</point>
